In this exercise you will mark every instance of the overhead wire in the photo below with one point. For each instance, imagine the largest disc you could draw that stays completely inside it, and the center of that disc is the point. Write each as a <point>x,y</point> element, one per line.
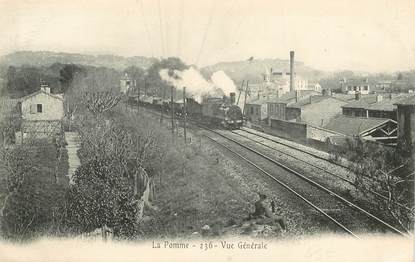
<point>166,30</point>
<point>227,14</point>
<point>163,51</point>
<point>149,41</point>
<point>206,32</point>
<point>235,35</point>
<point>180,28</point>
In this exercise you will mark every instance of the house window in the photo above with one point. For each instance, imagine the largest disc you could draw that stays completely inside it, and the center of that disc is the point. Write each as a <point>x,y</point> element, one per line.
<point>39,108</point>
<point>365,88</point>
<point>252,110</point>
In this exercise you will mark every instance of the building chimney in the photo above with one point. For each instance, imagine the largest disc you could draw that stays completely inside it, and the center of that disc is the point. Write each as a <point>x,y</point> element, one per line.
<point>379,98</point>
<point>232,97</point>
<point>44,87</point>
<point>297,95</point>
<point>292,87</point>
<point>358,95</point>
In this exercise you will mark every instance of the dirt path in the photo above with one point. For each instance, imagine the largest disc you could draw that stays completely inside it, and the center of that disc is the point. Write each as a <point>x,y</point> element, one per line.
<point>73,141</point>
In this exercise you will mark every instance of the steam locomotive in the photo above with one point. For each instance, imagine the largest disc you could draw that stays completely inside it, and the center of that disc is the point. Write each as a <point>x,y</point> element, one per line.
<point>214,111</point>
<point>221,112</point>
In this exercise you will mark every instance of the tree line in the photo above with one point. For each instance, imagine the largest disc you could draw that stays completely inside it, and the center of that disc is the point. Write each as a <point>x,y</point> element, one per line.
<point>19,81</point>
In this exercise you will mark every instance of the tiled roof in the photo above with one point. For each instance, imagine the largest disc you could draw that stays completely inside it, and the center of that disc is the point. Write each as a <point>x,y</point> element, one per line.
<point>306,101</point>
<point>354,125</point>
<point>363,102</point>
<point>406,101</point>
<point>344,97</point>
<point>286,98</point>
<point>57,96</point>
<point>387,104</point>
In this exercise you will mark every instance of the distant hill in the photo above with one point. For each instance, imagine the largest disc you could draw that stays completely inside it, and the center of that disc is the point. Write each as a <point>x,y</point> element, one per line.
<point>46,58</point>
<point>253,70</point>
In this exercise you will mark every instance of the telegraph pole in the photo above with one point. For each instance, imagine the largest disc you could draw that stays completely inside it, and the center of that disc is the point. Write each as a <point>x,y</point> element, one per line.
<point>145,86</point>
<point>246,93</point>
<point>240,91</point>
<point>138,98</point>
<point>162,100</point>
<point>185,114</point>
<point>172,110</point>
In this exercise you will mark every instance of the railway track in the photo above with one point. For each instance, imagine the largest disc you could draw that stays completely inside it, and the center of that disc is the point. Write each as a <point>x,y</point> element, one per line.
<point>309,162</point>
<point>316,201</point>
<point>295,148</point>
<point>321,199</point>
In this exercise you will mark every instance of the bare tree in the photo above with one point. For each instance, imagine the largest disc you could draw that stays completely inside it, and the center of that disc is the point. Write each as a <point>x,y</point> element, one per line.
<point>100,102</point>
<point>387,173</point>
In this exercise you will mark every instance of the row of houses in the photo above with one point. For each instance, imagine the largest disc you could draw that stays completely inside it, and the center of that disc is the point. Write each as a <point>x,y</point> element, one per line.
<point>372,117</point>
<point>365,86</point>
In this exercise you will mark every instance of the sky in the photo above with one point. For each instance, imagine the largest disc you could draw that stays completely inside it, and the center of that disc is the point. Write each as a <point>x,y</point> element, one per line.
<point>364,35</point>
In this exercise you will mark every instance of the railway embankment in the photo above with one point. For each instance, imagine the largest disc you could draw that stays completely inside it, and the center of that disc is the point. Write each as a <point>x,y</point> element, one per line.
<point>214,190</point>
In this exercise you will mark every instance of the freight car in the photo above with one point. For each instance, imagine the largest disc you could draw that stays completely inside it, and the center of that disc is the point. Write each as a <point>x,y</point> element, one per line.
<point>215,111</point>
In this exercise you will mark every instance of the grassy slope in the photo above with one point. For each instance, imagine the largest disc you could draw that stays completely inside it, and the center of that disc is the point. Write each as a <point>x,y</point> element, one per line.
<point>201,195</point>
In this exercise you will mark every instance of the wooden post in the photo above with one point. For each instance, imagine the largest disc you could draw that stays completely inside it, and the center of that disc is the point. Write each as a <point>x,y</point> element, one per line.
<point>172,109</point>
<point>138,98</point>
<point>240,91</point>
<point>184,113</point>
<point>161,116</point>
<point>246,93</point>
<point>145,86</point>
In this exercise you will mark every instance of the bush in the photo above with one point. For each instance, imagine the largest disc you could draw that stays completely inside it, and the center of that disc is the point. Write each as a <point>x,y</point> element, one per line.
<point>33,202</point>
<point>102,196</point>
<point>387,172</point>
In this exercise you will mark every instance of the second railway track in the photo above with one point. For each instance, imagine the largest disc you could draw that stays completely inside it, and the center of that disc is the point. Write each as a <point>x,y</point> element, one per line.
<point>340,211</point>
<point>343,213</point>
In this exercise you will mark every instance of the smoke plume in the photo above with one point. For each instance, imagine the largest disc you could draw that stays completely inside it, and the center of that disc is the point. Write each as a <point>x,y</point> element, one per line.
<point>196,85</point>
<point>221,80</point>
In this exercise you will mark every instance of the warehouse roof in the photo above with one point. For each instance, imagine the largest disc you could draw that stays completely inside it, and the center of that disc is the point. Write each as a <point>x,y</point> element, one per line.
<point>387,104</point>
<point>363,102</point>
<point>406,101</point>
<point>355,125</point>
<point>287,98</point>
<point>311,100</point>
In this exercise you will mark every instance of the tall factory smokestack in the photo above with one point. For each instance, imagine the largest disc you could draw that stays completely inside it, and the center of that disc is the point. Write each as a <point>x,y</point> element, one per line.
<point>292,87</point>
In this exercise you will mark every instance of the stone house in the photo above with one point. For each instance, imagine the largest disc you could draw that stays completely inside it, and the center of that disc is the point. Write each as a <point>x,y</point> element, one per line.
<point>127,84</point>
<point>353,86</point>
<point>316,110</point>
<point>264,109</point>
<point>41,114</point>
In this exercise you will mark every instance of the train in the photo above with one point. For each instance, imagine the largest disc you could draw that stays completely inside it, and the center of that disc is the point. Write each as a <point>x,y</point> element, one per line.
<point>216,111</point>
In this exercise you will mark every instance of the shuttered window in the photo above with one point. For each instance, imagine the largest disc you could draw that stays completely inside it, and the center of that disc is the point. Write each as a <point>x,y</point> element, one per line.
<point>36,108</point>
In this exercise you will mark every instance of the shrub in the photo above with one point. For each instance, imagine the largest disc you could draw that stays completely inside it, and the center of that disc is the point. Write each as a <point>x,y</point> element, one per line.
<point>102,196</point>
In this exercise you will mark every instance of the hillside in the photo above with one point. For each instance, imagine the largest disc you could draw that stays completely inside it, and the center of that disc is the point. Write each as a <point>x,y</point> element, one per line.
<point>47,58</point>
<point>253,70</point>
